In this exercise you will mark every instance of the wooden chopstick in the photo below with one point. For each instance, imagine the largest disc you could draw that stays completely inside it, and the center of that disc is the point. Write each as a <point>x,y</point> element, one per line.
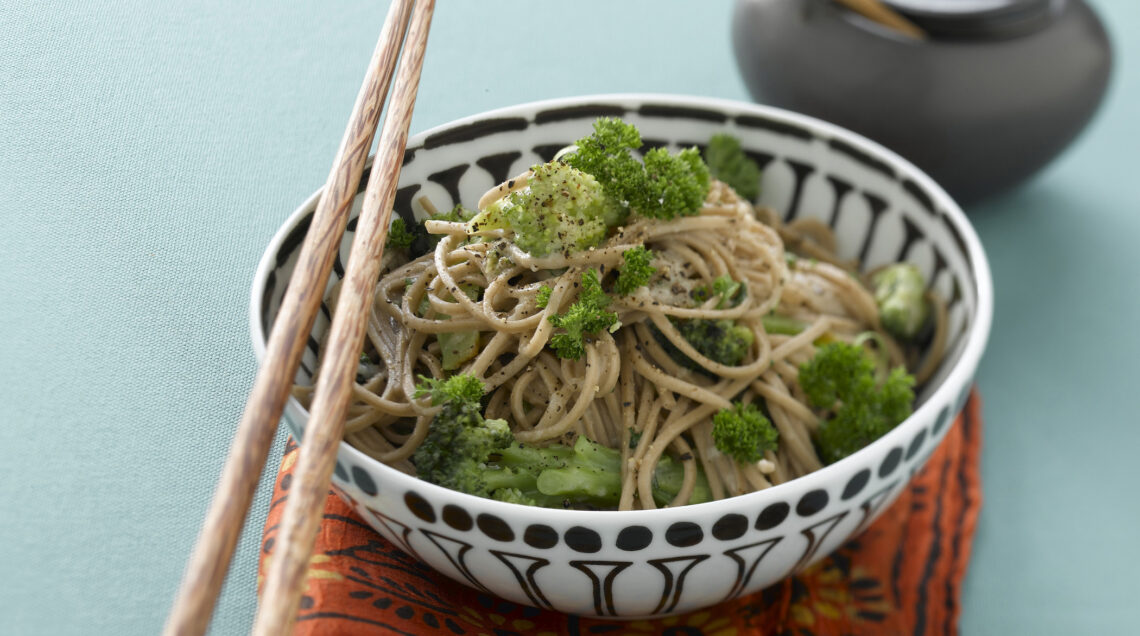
<point>284,582</point>
<point>877,11</point>
<point>207,566</point>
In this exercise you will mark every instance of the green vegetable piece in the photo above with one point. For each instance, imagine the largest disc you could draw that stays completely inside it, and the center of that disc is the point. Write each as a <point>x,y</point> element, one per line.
<point>542,298</point>
<point>457,214</point>
<point>465,452</point>
<point>459,439</point>
<point>457,347</point>
<point>724,341</point>
<point>664,186</point>
<point>562,210</point>
<point>841,380</point>
<point>726,161</point>
<point>459,390</point>
<point>586,317</point>
<point>590,474</point>
<point>491,217</point>
<point>744,433</point>
<point>731,292</point>
<point>606,155</point>
<point>669,477</point>
<point>636,272</point>
<point>678,184</point>
<point>900,293</point>
<point>398,235</point>
<point>782,325</point>
<point>424,242</point>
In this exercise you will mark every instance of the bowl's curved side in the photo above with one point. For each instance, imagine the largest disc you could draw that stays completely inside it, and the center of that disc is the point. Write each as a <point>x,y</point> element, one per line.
<point>665,561</point>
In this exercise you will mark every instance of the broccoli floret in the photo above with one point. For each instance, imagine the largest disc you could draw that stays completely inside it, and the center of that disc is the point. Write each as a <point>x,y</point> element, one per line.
<point>459,439</point>
<point>840,379</point>
<point>731,292</point>
<point>744,433</point>
<point>542,297</point>
<point>606,155</point>
<point>398,235</point>
<point>465,452</point>
<point>665,186</point>
<point>636,271</point>
<point>722,340</point>
<point>900,293</point>
<point>422,242</point>
<point>727,162</point>
<point>457,391</point>
<point>586,317</point>
<point>678,184</point>
<point>457,214</point>
<point>562,209</point>
<point>570,204</point>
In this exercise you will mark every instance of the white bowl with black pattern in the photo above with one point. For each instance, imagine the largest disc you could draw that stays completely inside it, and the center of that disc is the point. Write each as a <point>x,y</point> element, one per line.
<point>651,563</point>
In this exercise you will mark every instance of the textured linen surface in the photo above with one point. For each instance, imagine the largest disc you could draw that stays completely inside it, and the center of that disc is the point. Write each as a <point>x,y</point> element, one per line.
<point>902,575</point>
<point>148,150</point>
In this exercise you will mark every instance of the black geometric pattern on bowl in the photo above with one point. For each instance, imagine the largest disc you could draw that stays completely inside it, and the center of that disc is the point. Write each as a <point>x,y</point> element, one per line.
<point>667,563</point>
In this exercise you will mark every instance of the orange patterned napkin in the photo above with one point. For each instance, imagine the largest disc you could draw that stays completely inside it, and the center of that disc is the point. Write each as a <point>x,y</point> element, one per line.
<point>902,575</point>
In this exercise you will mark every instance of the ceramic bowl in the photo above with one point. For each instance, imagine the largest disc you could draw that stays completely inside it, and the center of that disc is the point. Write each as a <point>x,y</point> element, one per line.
<point>657,562</point>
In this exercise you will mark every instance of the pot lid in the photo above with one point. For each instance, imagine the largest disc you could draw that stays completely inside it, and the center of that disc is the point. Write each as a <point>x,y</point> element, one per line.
<point>977,18</point>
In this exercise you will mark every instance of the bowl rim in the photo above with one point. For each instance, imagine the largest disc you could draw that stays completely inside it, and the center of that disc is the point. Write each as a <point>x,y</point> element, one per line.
<point>961,374</point>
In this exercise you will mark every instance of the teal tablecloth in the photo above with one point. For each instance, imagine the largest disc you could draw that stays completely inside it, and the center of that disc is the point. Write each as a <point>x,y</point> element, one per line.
<point>149,150</point>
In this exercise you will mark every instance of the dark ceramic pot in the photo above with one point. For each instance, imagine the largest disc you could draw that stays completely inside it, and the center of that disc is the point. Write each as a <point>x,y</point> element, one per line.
<point>999,89</point>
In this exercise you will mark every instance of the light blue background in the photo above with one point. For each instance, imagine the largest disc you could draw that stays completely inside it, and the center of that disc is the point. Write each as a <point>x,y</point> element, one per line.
<point>149,150</point>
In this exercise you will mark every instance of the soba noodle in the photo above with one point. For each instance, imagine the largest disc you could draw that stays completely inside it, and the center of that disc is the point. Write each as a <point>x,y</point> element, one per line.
<point>627,391</point>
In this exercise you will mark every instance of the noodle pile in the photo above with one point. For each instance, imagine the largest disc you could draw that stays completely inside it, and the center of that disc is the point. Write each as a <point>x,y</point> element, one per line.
<point>627,391</point>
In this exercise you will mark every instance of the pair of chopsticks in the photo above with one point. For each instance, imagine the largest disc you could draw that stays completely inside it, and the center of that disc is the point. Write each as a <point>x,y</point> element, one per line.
<point>210,559</point>
<point>405,26</point>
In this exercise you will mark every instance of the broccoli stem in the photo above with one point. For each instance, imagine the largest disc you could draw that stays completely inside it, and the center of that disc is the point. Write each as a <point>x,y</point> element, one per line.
<point>783,325</point>
<point>580,482</point>
<point>587,473</point>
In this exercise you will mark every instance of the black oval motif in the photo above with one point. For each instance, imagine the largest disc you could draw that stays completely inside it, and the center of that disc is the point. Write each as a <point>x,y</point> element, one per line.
<point>684,534</point>
<point>891,462</point>
<point>364,481</point>
<point>340,472</point>
<point>494,527</point>
<point>582,539</point>
<point>633,538</point>
<point>812,503</point>
<point>540,536</point>
<point>772,516</point>
<point>943,418</point>
<point>457,517</point>
<point>419,506</point>
<point>729,527</point>
<point>856,485</point>
<point>915,444</point>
